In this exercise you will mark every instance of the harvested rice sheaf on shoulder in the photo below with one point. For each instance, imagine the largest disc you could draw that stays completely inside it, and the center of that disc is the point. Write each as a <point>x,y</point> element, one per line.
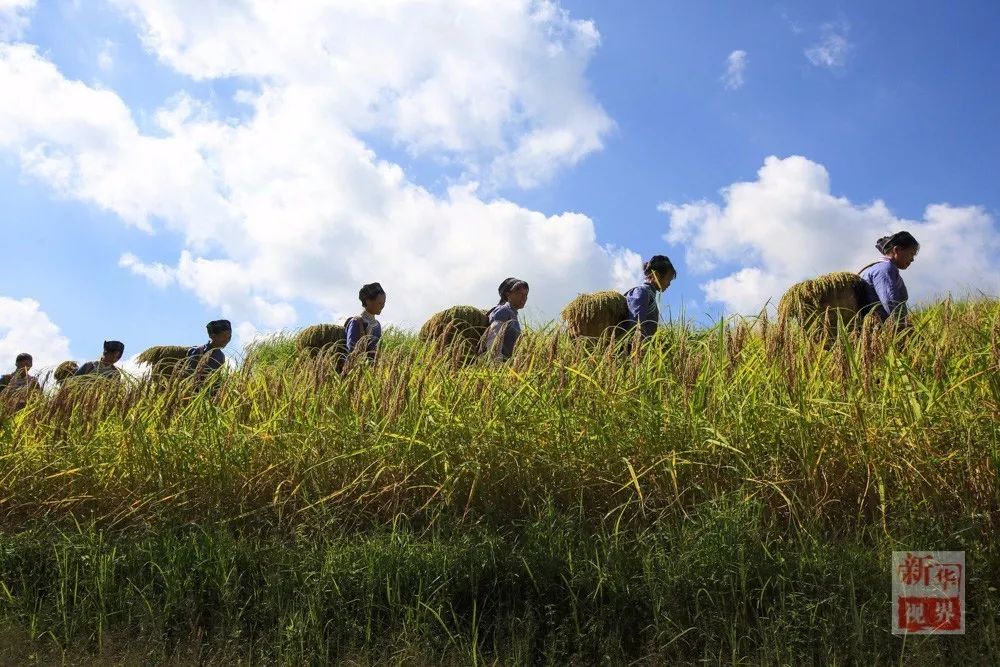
<point>468,322</point>
<point>810,298</point>
<point>163,358</point>
<point>162,353</point>
<point>64,370</point>
<point>319,337</point>
<point>593,314</point>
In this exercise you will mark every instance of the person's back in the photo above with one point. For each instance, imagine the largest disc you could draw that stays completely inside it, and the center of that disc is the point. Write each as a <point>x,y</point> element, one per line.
<point>96,368</point>
<point>204,359</point>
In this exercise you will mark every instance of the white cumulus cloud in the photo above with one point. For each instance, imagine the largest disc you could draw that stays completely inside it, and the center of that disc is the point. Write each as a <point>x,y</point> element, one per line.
<point>292,205</point>
<point>497,85</point>
<point>787,226</point>
<point>736,64</point>
<point>25,327</point>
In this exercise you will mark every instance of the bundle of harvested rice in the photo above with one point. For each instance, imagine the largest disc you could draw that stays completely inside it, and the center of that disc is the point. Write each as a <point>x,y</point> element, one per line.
<point>828,298</point>
<point>64,370</point>
<point>592,315</point>
<point>467,323</point>
<point>321,337</point>
<point>164,359</point>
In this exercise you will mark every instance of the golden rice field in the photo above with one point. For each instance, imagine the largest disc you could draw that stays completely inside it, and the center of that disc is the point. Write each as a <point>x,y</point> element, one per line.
<point>725,495</point>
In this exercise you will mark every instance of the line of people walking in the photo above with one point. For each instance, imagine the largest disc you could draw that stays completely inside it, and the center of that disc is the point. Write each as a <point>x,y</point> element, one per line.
<point>885,295</point>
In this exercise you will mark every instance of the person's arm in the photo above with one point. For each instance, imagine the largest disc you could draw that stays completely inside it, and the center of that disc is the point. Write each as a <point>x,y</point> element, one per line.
<point>375,335</point>
<point>510,336</point>
<point>85,369</point>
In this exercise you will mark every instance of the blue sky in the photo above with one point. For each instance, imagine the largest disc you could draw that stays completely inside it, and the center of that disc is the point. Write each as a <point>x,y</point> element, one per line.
<point>640,134</point>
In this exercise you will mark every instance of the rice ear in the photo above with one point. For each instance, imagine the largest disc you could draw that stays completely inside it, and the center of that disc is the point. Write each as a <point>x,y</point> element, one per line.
<point>592,315</point>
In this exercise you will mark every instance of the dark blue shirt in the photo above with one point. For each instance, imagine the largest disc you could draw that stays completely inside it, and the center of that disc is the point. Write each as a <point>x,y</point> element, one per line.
<point>503,321</point>
<point>97,368</point>
<point>884,290</point>
<point>642,308</point>
<point>206,358</point>
<point>361,326</point>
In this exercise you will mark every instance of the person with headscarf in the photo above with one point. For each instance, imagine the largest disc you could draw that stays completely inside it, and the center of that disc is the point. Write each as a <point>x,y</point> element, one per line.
<point>18,386</point>
<point>505,328</point>
<point>105,366</point>
<point>883,290</point>
<point>203,360</point>
<point>642,308</point>
<point>364,326</point>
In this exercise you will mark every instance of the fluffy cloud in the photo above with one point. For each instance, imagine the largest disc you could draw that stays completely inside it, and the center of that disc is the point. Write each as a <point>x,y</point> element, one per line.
<point>495,84</point>
<point>736,64</point>
<point>24,327</point>
<point>292,205</point>
<point>787,226</point>
<point>13,19</point>
<point>832,48</point>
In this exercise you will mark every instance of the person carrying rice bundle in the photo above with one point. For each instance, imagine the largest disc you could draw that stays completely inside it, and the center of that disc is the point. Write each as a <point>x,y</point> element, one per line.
<point>105,366</point>
<point>16,387</point>
<point>642,308</point>
<point>364,326</point>
<point>883,290</point>
<point>504,328</point>
<point>203,360</point>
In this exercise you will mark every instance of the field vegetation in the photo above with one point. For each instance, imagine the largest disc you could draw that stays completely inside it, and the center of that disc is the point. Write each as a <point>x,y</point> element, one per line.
<point>726,495</point>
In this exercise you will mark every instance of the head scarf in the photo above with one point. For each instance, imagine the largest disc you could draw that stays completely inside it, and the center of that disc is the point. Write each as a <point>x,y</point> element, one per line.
<point>21,358</point>
<point>369,292</point>
<point>901,239</point>
<point>113,346</point>
<point>216,327</point>
<point>508,286</point>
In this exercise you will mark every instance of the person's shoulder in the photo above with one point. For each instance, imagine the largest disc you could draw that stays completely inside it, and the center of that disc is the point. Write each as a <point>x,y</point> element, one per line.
<point>643,291</point>
<point>504,312</point>
<point>881,267</point>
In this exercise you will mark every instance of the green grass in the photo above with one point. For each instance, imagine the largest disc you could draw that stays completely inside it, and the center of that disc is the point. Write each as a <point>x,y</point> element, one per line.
<point>730,494</point>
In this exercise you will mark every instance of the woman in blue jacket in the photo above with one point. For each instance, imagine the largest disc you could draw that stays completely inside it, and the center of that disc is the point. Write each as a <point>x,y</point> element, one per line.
<point>505,329</point>
<point>642,308</point>
<point>884,292</point>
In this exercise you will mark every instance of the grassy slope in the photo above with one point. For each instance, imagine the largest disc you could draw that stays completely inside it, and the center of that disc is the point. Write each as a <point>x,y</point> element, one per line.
<point>734,495</point>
